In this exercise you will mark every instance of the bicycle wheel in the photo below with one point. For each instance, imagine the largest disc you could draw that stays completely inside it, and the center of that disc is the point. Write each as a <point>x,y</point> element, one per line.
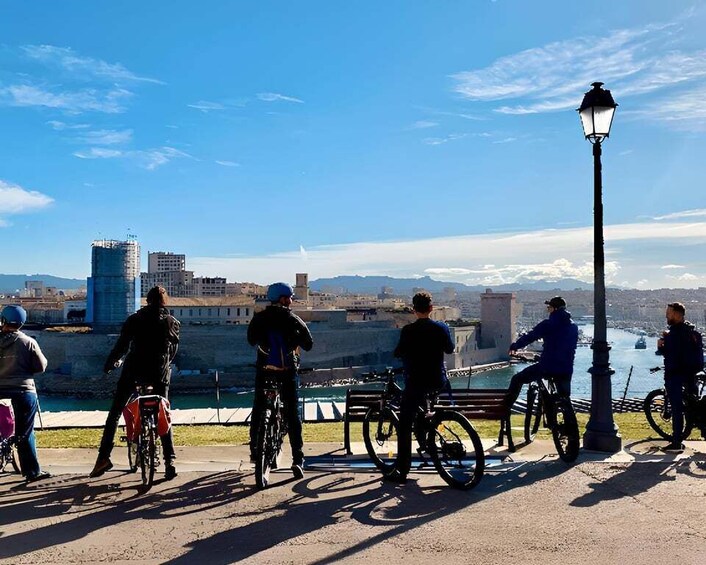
<point>8,455</point>
<point>265,451</point>
<point>456,450</point>
<point>15,458</point>
<point>380,432</point>
<point>565,430</point>
<point>151,453</point>
<point>533,415</point>
<point>658,411</point>
<point>132,455</point>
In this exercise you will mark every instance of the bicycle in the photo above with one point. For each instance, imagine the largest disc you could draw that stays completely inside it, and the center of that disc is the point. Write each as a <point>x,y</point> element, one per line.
<point>8,440</point>
<point>272,429</point>
<point>445,435</point>
<point>546,407</point>
<point>143,449</point>
<point>658,409</point>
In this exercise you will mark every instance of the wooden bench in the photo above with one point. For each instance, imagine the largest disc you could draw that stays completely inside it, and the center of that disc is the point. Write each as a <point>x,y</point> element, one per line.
<point>473,403</point>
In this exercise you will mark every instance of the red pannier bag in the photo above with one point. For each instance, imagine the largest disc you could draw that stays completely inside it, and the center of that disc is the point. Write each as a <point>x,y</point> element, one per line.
<point>131,414</point>
<point>7,420</point>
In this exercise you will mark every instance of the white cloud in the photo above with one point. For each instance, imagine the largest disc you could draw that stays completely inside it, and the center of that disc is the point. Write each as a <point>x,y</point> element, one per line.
<point>685,277</point>
<point>77,101</point>
<point>442,140</point>
<point>16,200</point>
<point>672,267</point>
<point>80,66</point>
<point>149,159</point>
<point>61,126</point>
<point>423,124</point>
<point>228,163</point>
<point>106,137</point>
<point>483,258</point>
<point>697,213</point>
<point>274,97</point>
<point>206,106</point>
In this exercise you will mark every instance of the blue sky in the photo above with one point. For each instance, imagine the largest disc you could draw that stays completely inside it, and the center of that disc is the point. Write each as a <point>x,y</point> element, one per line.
<point>399,138</point>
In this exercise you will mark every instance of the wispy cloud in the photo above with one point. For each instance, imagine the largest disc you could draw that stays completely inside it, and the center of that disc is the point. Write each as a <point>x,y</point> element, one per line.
<point>77,101</point>
<point>206,106</point>
<point>672,267</point>
<point>274,97</point>
<point>77,65</point>
<point>632,62</point>
<point>696,213</point>
<point>442,140</point>
<point>106,137</point>
<point>61,126</point>
<point>228,163</point>
<point>423,124</point>
<point>17,200</point>
<point>149,159</point>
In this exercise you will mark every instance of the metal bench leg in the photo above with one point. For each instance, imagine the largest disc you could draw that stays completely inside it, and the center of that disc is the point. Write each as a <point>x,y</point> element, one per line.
<point>347,436</point>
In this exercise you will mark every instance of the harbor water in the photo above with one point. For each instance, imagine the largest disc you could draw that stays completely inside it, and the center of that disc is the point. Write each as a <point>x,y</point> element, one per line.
<point>623,356</point>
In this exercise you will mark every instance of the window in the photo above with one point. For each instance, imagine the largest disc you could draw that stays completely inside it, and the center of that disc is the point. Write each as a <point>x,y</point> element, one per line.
<point>247,311</point>
<point>238,314</point>
<point>228,314</point>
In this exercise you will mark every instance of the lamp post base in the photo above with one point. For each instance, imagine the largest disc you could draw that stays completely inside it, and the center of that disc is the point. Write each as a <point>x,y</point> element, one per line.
<point>608,441</point>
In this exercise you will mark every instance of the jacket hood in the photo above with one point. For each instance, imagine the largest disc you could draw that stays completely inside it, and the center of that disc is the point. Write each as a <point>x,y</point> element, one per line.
<point>561,315</point>
<point>7,339</point>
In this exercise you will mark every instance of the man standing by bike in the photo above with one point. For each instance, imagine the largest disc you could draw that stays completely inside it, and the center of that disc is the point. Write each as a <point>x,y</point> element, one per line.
<point>278,334</point>
<point>560,336</point>
<point>421,347</point>
<point>20,359</point>
<point>150,338</point>
<point>679,346</point>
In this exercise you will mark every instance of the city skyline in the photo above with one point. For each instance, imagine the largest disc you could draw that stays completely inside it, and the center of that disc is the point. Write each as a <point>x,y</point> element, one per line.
<point>401,140</point>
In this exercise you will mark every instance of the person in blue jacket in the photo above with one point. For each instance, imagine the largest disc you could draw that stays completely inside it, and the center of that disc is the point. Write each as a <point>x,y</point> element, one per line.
<point>560,335</point>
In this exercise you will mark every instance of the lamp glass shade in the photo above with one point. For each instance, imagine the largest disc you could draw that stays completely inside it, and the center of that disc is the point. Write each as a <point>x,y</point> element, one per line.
<point>596,121</point>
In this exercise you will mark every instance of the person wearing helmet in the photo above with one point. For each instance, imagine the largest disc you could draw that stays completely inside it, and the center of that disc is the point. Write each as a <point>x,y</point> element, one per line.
<point>278,334</point>
<point>560,336</point>
<point>20,359</point>
<point>148,340</point>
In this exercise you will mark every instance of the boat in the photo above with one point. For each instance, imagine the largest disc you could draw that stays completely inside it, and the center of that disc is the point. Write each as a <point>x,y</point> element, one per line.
<point>641,342</point>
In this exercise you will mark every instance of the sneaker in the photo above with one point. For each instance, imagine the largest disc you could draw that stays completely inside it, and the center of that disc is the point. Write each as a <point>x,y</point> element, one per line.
<point>674,448</point>
<point>101,466</point>
<point>298,470</point>
<point>40,477</point>
<point>169,472</point>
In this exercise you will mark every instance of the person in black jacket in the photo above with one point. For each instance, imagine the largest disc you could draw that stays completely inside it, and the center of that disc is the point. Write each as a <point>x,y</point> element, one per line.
<point>676,346</point>
<point>560,336</point>
<point>421,347</point>
<point>150,338</point>
<point>278,334</point>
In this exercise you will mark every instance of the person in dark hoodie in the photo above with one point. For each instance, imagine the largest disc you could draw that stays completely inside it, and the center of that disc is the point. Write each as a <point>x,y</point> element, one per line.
<point>20,359</point>
<point>278,334</point>
<point>150,338</point>
<point>677,346</point>
<point>560,336</point>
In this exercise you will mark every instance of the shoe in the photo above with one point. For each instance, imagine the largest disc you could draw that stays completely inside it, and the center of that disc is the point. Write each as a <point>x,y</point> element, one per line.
<point>298,470</point>
<point>253,459</point>
<point>169,472</point>
<point>674,448</point>
<point>40,477</point>
<point>395,477</point>
<point>101,466</point>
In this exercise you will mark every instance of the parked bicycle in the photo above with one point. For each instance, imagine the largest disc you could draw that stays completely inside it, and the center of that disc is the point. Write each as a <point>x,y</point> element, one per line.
<point>272,430</point>
<point>8,440</point>
<point>549,409</point>
<point>446,436</point>
<point>145,415</point>
<point>658,409</point>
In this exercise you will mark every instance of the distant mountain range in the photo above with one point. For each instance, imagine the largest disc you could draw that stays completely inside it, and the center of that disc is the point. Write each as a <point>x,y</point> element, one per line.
<point>373,284</point>
<point>12,283</point>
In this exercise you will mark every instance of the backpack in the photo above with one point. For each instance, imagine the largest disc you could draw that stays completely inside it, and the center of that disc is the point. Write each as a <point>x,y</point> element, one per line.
<point>695,357</point>
<point>277,354</point>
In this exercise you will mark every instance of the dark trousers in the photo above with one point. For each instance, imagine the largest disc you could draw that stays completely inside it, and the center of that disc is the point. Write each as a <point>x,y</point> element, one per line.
<point>675,388</point>
<point>123,392</point>
<point>290,397</point>
<point>533,373</point>
<point>413,399</point>
<point>25,406</point>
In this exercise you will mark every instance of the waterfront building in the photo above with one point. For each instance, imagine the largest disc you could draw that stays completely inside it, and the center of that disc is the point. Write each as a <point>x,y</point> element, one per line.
<point>222,310</point>
<point>114,285</point>
<point>301,288</point>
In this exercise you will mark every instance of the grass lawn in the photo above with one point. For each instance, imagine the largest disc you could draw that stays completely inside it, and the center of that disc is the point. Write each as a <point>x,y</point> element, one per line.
<point>632,426</point>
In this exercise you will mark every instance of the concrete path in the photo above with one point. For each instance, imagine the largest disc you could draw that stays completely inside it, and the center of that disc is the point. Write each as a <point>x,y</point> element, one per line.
<point>638,506</point>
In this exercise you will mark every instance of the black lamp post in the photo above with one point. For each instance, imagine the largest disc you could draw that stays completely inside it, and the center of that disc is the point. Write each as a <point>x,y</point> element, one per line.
<point>596,112</point>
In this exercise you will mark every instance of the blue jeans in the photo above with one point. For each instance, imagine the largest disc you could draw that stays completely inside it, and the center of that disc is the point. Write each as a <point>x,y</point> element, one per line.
<point>25,406</point>
<point>675,392</point>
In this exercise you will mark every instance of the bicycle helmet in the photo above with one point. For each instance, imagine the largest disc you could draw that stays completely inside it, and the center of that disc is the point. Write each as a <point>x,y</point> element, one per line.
<point>13,316</point>
<point>279,289</point>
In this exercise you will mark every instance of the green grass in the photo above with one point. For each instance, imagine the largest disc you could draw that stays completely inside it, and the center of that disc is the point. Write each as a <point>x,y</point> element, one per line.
<point>632,426</point>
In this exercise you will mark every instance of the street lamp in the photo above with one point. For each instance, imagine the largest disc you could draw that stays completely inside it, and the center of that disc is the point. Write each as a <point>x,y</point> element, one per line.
<point>596,112</point>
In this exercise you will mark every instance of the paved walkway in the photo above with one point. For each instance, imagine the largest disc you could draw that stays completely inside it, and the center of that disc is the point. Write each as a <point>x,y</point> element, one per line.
<point>637,506</point>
